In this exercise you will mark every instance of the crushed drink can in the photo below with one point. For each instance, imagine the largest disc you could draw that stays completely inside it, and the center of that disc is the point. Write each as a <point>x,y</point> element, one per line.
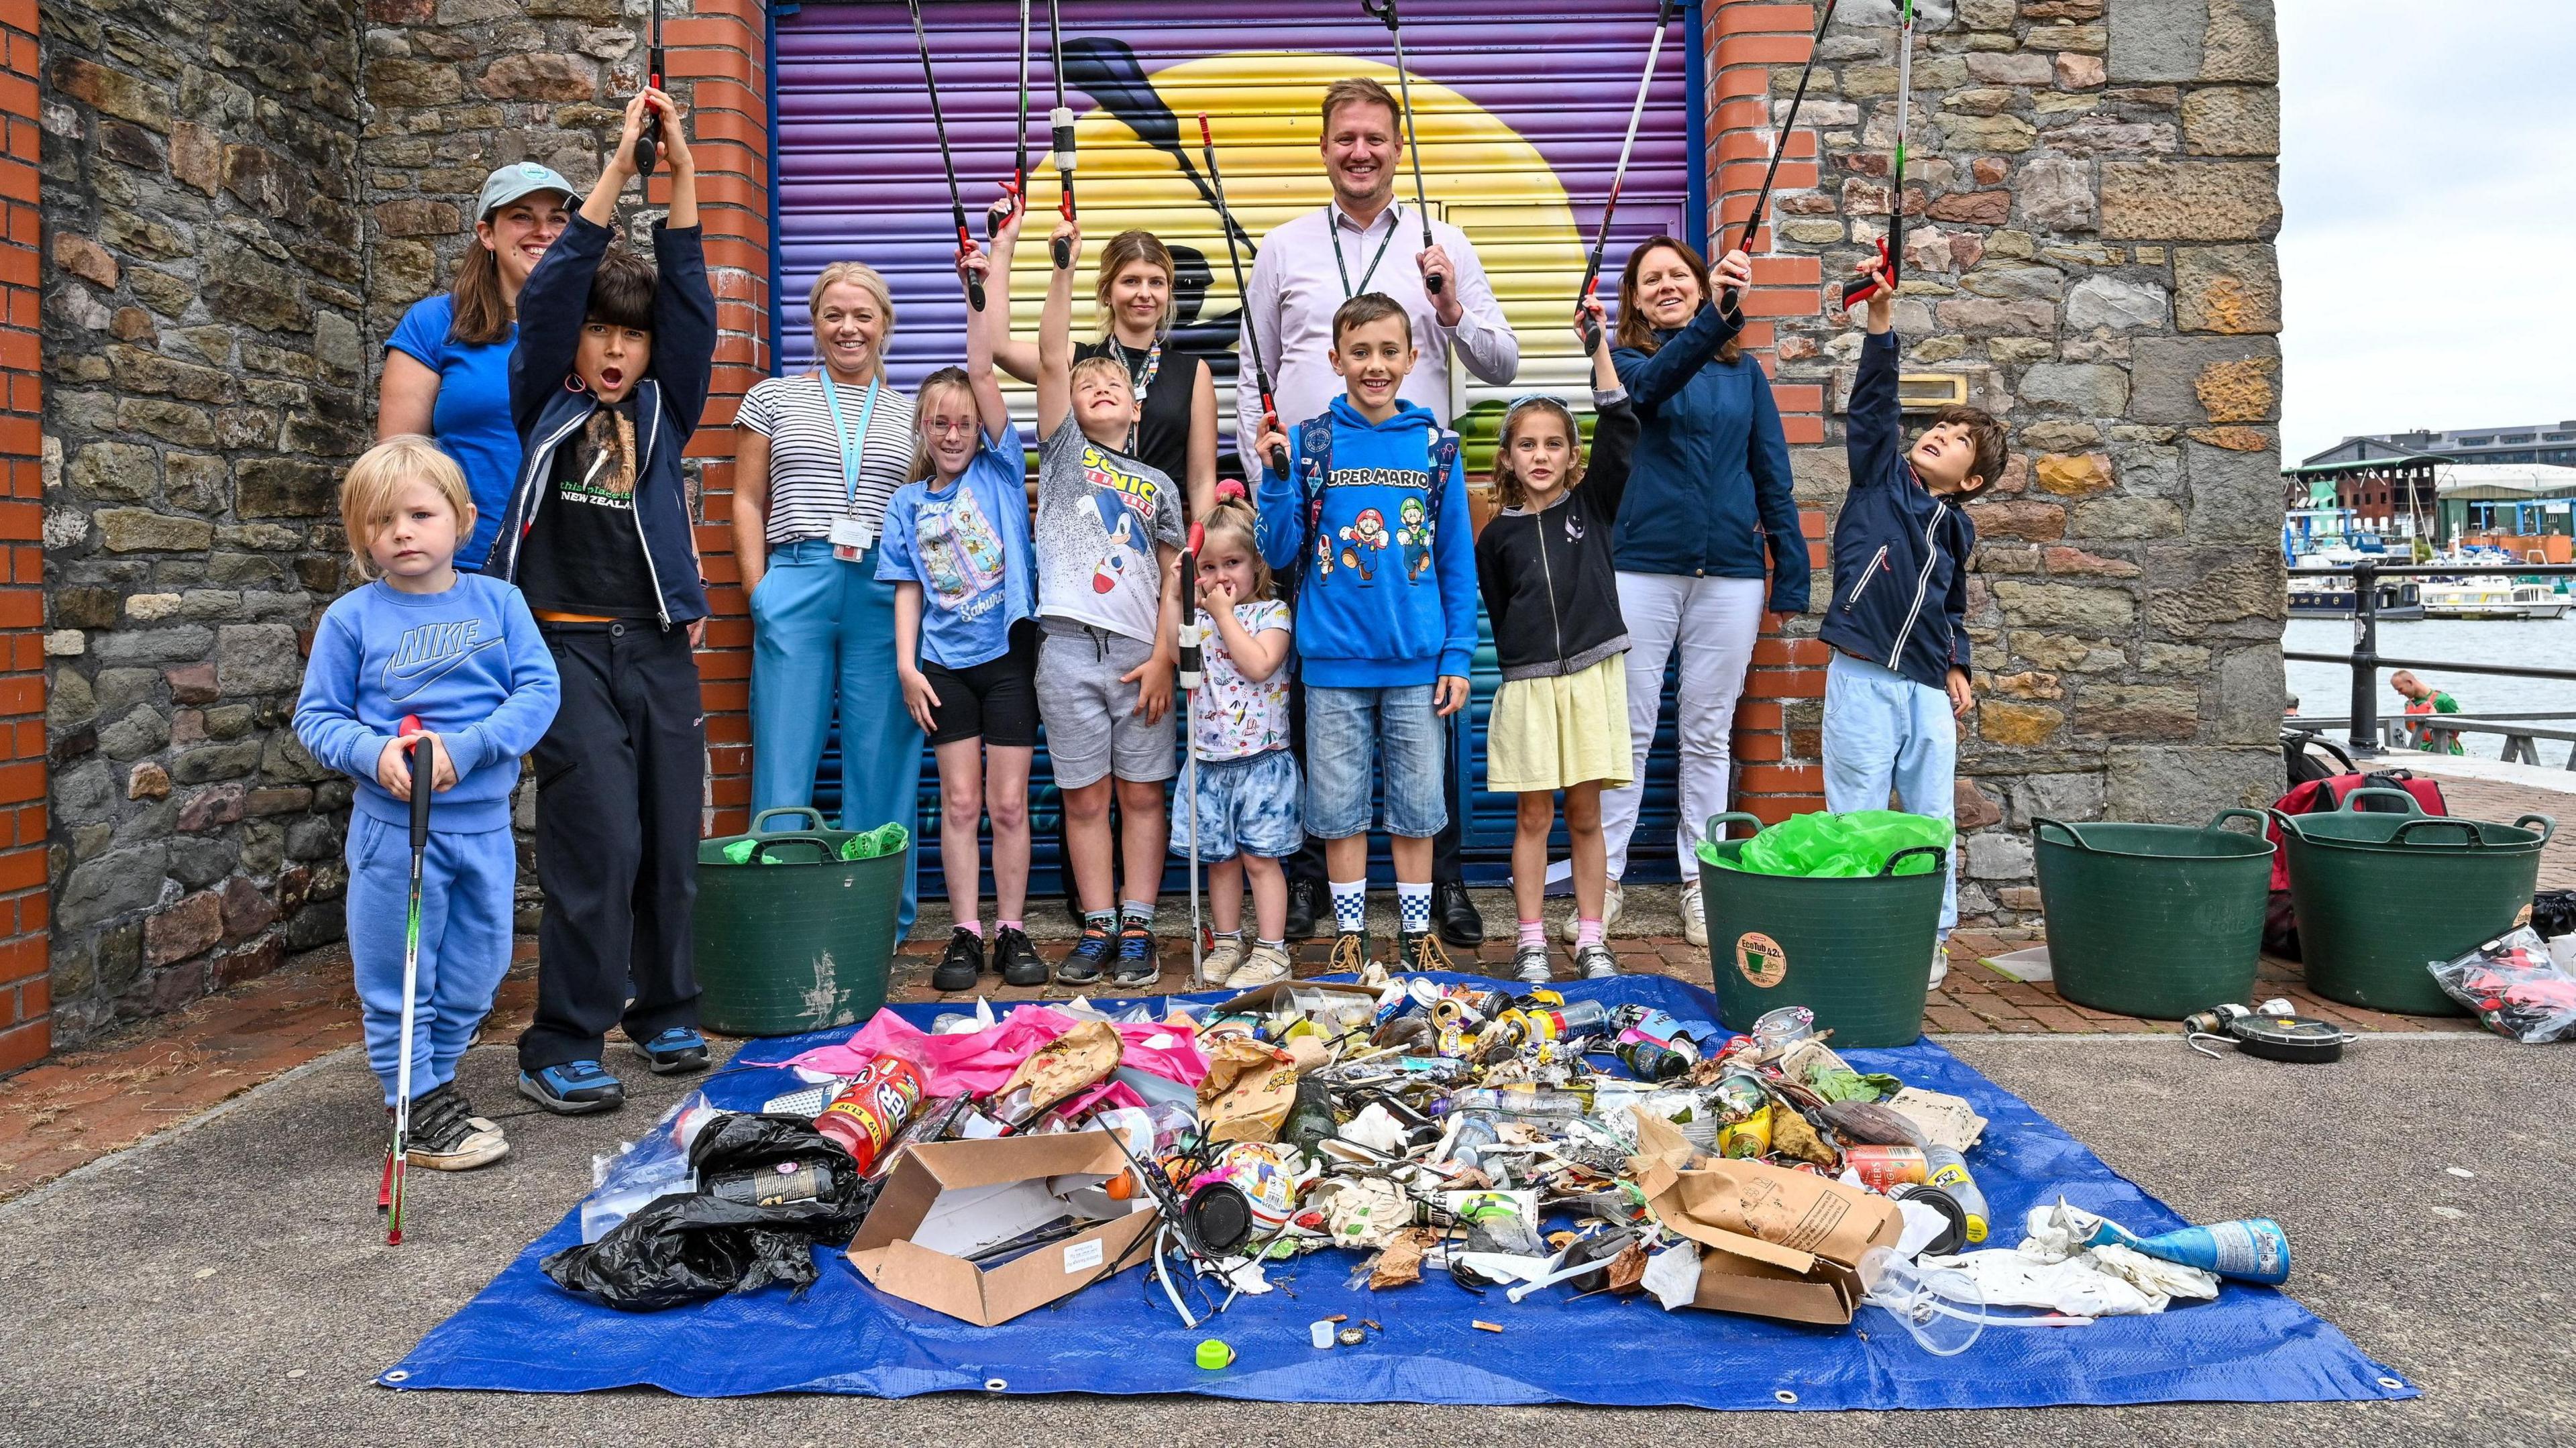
<point>1882,1168</point>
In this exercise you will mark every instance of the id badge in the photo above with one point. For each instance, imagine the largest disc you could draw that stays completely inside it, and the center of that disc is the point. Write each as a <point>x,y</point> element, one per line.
<point>850,539</point>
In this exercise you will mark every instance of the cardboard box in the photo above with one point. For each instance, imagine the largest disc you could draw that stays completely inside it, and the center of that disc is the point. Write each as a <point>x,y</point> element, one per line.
<point>1779,1243</point>
<point>947,1200</point>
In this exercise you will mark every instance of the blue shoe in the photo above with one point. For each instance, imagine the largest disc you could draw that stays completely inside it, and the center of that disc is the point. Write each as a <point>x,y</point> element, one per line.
<point>575,1088</point>
<point>675,1052</point>
<point>1138,962</point>
<point>1082,965</point>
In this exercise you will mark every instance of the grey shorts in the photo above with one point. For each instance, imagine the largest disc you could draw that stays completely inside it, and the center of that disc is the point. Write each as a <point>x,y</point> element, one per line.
<point>1092,727</point>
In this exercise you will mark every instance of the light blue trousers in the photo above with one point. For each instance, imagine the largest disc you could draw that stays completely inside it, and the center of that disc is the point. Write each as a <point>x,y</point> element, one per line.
<point>823,631</point>
<point>466,883</point>
<point>1884,732</point>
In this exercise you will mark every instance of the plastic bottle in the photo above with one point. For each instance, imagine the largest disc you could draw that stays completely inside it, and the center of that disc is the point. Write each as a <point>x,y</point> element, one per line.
<point>1542,1102</point>
<point>1310,1120</point>
<point>1946,1169</point>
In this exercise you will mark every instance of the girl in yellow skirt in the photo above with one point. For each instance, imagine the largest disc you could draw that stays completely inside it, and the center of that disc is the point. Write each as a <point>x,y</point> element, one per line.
<point>1560,720</point>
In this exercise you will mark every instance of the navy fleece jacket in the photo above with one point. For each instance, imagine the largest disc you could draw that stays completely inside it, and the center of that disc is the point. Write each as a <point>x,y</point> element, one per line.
<point>1373,521</point>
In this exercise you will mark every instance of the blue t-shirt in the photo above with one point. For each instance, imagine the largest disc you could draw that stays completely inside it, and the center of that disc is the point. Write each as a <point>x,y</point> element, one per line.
<point>472,418</point>
<point>968,548</point>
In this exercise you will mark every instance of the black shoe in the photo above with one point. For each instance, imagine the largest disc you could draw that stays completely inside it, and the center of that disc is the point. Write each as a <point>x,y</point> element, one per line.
<point>1138,963</point>
<point>1456,915</point>
<point>1083,964</point>
<point>962,964</point>
<point>1018,959</point>
<point>1305,907</point>
<point>1421,952</point>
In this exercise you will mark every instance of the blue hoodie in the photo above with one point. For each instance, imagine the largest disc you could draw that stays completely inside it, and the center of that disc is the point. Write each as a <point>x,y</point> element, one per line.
<point>468,661</point>
<point>1374,522</point>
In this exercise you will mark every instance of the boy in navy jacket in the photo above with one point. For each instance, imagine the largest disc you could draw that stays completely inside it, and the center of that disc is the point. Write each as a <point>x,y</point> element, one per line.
<point>1373,518</point>
<point>1898,617</point>
<point>611,372</point>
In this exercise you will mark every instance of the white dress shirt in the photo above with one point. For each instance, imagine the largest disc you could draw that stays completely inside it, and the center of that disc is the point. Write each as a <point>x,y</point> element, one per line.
<point>1296,287</point>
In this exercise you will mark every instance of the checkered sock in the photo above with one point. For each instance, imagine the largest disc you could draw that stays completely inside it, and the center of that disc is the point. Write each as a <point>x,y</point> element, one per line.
<point>1533,932</point>
<point>1414,901</point>
<point>1136,915</point>
<point>1350,906</point>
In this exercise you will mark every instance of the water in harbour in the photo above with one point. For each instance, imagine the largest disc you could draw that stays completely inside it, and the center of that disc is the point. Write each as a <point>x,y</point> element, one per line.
<point>2325,690</point>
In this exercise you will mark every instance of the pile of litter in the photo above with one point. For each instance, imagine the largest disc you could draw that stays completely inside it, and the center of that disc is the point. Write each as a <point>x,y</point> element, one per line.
<point>1418,1190</point>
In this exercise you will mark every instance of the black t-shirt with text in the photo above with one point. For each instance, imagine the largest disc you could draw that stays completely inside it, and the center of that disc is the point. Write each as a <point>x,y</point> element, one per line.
<point>585,553</point>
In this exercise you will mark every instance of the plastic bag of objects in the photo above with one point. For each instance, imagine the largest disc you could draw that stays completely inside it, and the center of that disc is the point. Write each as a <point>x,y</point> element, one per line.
<point>2514,987</point>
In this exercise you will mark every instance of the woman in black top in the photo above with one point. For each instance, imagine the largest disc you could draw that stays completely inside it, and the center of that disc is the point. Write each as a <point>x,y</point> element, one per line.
<point>1177,431</point>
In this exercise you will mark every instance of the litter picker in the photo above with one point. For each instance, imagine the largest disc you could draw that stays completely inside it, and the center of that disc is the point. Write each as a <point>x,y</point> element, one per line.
<point>1891,247</point>
<point>1251,340</point>
<point>389,1192</point>
<point>1780,148</point>
<point>1060,123</point>
<point>1017,188</point>
<point>1384,11</point>
<point>1192,679</point>
<point>648,142</point>
<point>947,161</point>
<point>1619,177</point>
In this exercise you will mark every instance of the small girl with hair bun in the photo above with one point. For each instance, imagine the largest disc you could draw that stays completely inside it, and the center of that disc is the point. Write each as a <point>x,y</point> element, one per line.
<point>1560,719</point>
<point>1248,789</point>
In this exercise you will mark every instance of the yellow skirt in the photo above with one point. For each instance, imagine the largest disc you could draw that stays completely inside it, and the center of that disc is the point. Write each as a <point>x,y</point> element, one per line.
<point>1560,731</point>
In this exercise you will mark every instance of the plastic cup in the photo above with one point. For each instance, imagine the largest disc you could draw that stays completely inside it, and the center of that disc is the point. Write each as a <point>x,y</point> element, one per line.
<point>1321,1333</point>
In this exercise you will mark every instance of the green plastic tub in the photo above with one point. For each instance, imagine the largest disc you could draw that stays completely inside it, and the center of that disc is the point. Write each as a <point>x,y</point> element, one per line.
<point>1856,950</point>
<point>2155,921</point>
<point>797,939</point>
<point>2382,895</point>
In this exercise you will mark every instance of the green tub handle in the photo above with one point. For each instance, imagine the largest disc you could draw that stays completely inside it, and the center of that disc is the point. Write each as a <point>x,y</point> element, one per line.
<point>810,813</point>
<point>2040,825</point>
<point>760,849</point>
<point>2259,818</point>
<point>2548,826</point>
<point>2467,829</point>
<point>1717,823</point>
<point>2350,802</point>
<point>1940,859</point>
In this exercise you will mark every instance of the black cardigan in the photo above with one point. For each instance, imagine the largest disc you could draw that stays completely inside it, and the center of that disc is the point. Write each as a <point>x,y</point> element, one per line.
<point>1549,578</point>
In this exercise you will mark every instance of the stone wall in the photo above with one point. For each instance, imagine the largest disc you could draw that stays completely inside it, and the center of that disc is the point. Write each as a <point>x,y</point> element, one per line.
<point>203,348</point>
<point>2091,200</point>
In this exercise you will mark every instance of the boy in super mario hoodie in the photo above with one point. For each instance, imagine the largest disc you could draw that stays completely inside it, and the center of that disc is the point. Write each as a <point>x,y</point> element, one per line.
<point>1372,519</point>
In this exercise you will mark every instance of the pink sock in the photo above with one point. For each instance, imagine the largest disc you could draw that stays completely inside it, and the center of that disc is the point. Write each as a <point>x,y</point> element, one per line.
<point>976,926</point>
<point>1533,932</point>
<point>1011,925</point>
<point>1587,931</point>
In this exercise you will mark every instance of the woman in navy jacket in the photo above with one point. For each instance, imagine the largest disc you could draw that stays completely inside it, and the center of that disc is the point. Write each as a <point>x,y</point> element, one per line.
<point>1707,518</point>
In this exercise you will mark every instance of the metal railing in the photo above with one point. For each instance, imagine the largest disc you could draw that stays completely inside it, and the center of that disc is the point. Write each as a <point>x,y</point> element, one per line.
<point>2362,727</point>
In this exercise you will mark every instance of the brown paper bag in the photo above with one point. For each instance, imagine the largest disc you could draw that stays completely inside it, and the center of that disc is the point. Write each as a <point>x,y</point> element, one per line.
<point>1248,1091</point>
<point>1072,1062</point>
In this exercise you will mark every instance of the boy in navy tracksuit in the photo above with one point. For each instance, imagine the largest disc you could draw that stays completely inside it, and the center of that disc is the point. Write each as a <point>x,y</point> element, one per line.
<point>1374,518</point>
<point>456,656</point>
<point>610,375</point>
<point>1898,618</point>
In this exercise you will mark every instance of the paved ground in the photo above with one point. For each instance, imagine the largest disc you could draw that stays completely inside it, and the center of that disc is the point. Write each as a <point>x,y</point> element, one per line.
<point>225,1284</point>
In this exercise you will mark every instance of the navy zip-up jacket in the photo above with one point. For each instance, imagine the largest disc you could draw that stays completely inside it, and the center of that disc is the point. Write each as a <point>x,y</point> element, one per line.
<point>668,398</point>
<point>1709,487</point>
<point>1900,553</point>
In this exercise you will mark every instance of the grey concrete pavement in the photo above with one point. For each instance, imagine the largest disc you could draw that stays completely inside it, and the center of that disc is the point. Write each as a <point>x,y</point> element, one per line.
<point>227,1284</point>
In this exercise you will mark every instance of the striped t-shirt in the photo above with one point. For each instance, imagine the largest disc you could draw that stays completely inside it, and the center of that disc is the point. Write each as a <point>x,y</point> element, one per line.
<point>806,487</point>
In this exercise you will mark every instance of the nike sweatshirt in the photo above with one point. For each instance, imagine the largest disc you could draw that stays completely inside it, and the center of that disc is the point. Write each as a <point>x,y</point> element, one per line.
<point>468,662</point>
<point>1373,525</point>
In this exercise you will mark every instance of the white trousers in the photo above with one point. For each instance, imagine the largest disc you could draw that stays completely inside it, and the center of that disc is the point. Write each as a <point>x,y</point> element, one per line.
<point>1712,623</point>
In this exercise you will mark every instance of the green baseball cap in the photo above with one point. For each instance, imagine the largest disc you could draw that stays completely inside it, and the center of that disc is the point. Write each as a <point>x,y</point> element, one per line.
<point>520,178</point>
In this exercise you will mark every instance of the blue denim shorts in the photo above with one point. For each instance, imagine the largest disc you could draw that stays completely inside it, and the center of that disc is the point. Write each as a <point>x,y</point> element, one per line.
<point>1346,732</point>
<point>1246,807</point>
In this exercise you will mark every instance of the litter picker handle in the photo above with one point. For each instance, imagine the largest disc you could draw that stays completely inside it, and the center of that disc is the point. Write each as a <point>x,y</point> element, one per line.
<point>648,143</point>
<point>1060,125</point>
<point>1862,289</point>
<point>974,281</point>
<point>421,781</point>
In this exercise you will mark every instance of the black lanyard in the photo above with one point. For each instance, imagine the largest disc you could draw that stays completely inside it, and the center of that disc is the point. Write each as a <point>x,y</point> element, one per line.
<point>1333,228</point>
<point>1141,384</point>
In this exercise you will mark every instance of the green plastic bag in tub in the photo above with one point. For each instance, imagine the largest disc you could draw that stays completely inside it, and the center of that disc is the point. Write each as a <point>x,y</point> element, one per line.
<point>1824,844</point>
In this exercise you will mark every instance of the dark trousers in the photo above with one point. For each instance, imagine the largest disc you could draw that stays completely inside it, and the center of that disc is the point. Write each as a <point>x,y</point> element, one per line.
<point>1308,862</point>
<point>620,776</point>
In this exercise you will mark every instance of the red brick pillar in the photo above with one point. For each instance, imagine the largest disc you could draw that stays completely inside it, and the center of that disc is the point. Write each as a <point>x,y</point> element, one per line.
<point>1776,733</point>
<point>719,69</point>
<point>26,1005</point>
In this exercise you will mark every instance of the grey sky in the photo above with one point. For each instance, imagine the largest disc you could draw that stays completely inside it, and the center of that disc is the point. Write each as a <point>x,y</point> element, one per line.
<point>2428,244</point>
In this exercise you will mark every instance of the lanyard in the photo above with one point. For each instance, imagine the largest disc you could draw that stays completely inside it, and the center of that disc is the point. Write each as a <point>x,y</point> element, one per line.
<point>840,434</point>
<point>1333,228</point>
<point>1140,384</point>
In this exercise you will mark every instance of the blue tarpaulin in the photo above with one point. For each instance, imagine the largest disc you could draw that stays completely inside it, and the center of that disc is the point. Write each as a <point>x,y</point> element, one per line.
<point>2253,1344</point>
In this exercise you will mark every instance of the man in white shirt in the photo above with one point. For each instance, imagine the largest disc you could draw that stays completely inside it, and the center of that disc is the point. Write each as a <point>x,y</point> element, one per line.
<point>1307,267</point>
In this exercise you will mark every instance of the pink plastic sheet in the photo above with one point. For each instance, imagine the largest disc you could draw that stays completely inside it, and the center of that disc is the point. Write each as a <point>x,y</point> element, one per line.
<point>978,1062</point>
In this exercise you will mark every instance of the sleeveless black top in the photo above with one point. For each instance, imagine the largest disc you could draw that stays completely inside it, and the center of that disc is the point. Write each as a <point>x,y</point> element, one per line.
<point>1163,434</point>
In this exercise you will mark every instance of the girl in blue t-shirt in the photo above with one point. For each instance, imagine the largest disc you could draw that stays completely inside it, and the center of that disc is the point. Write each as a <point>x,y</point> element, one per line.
<point>447,365</point>
<point>956,548</point>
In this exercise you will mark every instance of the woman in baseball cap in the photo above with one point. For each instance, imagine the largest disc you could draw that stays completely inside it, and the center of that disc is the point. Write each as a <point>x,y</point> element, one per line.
<point>447,366</point>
